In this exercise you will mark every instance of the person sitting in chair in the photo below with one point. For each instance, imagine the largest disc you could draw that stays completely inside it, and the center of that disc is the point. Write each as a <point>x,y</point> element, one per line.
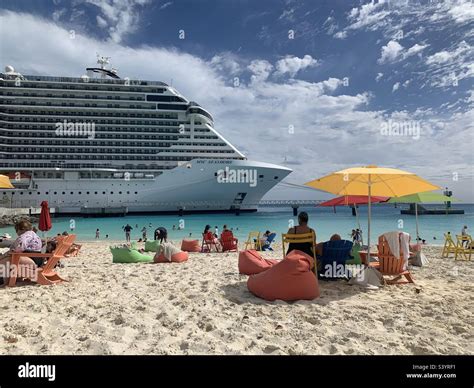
<point>266,240</point>
<point>210,238</point>
<point>27,241</point>
<point>302,228</point>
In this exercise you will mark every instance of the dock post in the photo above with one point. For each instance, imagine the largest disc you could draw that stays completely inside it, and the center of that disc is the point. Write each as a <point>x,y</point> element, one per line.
<point>295,210</point>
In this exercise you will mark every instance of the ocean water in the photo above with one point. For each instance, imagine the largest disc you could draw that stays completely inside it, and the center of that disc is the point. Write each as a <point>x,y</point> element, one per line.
<point>385,217</point>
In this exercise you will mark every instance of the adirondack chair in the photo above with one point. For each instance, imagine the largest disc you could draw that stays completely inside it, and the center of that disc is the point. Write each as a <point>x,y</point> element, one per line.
<point>253,240</point>
<point>389,265</point>
<point>294,238</point>
<point>229,242</point>
<point>463,247</point>
<point>209,241</point>
<point>449,246</point>
<point>45,275</point>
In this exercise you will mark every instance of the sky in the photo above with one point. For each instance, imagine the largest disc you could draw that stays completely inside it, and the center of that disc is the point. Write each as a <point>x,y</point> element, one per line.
<point>317,86</point>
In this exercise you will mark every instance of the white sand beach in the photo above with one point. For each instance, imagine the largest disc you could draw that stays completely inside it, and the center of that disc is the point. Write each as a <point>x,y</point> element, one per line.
<point>203,306</point>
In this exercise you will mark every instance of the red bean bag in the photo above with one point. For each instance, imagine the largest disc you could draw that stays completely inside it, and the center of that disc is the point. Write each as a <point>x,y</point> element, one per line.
<point>190,246</point>
<point>290,279</point>
<point>176,258</point>
<point>251,262</point>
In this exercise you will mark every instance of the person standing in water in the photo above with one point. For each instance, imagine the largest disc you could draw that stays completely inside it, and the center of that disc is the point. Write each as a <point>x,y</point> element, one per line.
<point>127,230</point>
<point>97,234</point>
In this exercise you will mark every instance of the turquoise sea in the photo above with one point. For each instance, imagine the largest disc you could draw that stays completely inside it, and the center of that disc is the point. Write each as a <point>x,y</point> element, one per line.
<point>385,217</point>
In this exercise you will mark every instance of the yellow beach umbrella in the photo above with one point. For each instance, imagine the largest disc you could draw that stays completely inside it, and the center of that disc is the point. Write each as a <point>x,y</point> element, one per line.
<point>372,180</point>
<point>5,182</point>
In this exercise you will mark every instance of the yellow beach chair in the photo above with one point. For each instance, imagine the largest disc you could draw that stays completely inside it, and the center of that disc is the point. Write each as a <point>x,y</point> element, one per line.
<point>449,246</point>
<point>294,238</point>
<point>463,247</point>
<point>253,241</point>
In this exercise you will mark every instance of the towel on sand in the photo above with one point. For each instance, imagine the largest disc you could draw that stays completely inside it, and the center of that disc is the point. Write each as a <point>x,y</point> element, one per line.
<point>168,250</point>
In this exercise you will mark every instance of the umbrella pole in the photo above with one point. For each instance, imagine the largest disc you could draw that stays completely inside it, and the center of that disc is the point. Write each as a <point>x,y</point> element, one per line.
<point>416,218</point>
<point>358,224</point>
<point>368,223</point>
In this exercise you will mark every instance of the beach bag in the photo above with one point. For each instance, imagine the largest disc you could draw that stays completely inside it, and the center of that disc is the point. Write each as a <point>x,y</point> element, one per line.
<point>251,262</point>
<point>367,277</point>
<point>190,245</point>
<point>290,279</point>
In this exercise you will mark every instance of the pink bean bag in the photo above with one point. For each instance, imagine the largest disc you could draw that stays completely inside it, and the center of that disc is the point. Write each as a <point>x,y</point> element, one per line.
<point>290,279</point>
<point>251,262</point>
<point>190,245</point>
<point>176,258</point>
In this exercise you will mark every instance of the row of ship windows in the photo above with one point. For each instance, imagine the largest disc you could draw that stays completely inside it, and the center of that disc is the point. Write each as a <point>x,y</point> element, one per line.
<point>114,151</point>
<point>65,104</point>
<point>33,132</point>
<point>108,114</point>
<point>71,193</point>
<point>99,137</point>
<point>87,143</point>
<point>40,132</point>
<point>102,157</point>
<point>106,88</point>
<point>84,97</point>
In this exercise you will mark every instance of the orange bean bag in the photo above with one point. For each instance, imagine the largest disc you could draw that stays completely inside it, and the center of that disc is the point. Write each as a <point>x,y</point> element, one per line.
<point>251,262</point>
<point>290,279</point>
<point>176,258</point>
<point>190,245</point>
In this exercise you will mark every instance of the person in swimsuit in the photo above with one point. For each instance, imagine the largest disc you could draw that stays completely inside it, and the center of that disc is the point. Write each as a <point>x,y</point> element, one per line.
<point>302,228</point>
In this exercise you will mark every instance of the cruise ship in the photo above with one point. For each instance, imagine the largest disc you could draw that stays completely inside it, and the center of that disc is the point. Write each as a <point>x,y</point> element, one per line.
<point>101,144</point>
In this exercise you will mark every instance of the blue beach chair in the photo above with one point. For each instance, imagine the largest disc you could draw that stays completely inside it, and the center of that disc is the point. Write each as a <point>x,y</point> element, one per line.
<point>267,245</point>
<point>333,260</point>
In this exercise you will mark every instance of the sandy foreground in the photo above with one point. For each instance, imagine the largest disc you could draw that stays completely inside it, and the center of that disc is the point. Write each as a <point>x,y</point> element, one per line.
<point>203,306</point>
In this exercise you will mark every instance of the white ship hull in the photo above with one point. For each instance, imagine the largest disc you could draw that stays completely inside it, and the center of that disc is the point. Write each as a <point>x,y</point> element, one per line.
<point>192,187</point>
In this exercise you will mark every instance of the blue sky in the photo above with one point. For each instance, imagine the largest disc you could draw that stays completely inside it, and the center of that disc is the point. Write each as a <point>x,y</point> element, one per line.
<point>316,80</point>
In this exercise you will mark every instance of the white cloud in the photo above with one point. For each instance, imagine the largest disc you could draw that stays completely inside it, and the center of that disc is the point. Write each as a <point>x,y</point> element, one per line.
<point>390,52</point>
<point>261,69</point>
<point>166,5</point>
<point>448,67</point>
<point>58,14</point>
<point>101,22</point>
<point>448,56</point>
<point>379,77</point>
<point>462,11</point>
<point>255,117</point>
<point>120,16</point>
<point>396,86</point>
<point>226,63</point>
<point>341,35</point>
<point>367,15</point>
<point>394,52</point>
<point>415,49</point>
<point>292,65</point>
<point>288,15</point>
